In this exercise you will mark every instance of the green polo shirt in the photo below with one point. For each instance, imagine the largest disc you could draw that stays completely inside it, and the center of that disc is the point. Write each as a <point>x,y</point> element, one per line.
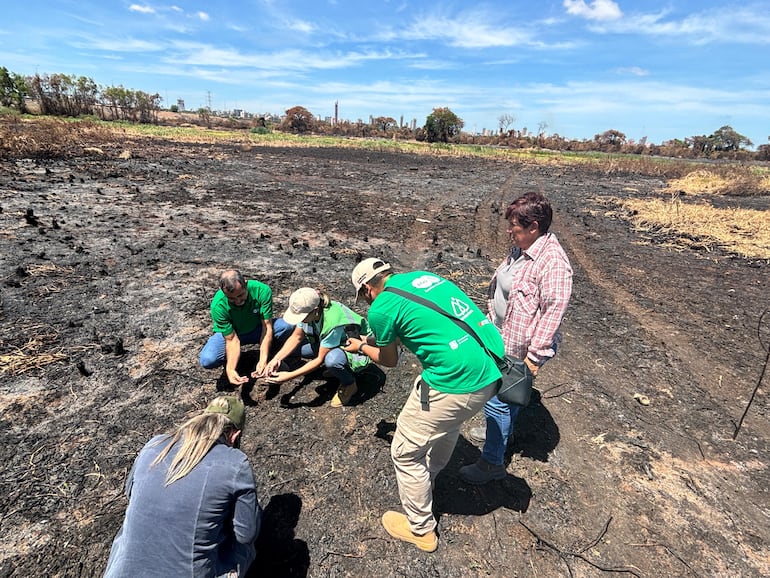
<point>244,319</point>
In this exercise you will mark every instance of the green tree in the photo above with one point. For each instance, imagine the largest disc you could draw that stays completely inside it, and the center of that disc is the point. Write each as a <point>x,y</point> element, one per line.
<point>701,145</point>
<point>727,139</point>
<point>119,101</point>
<point>147,106</point>
<point>299,120</point>
<point>13,89</point>
<point>85,95</point>
<point>441,125</point>
<point>61,94</point>
<point>205,115</point>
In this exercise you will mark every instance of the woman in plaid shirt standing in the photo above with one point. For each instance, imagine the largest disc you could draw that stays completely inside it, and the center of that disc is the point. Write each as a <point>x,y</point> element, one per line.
<point>527,298</point>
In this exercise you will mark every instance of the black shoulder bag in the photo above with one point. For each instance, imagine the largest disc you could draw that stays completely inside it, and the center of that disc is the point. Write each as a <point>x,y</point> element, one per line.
<point>516,383</point>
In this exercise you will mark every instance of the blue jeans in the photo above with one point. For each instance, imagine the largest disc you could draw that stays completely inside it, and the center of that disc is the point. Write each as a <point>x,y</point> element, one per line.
<point>501,419</point>
<point>213,353</point>
<point>335,361</point>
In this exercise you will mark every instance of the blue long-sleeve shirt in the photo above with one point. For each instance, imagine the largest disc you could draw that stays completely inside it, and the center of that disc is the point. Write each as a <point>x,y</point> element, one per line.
<point>203,524</point>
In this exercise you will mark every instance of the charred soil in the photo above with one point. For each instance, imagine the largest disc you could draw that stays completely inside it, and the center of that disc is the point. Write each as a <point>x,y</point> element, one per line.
<point>109,261</point>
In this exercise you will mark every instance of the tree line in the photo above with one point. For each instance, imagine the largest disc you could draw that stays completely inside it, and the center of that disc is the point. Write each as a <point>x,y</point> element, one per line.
<point>65,95</point>
<point>443,125</point>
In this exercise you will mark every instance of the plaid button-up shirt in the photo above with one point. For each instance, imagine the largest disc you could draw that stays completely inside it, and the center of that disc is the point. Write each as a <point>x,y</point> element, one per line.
<point>537,301</point>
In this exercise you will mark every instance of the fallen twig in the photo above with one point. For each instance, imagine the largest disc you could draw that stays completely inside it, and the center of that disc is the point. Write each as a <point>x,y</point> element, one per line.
<point>761,376</point>
<point>565,554</point>
<point>670,551</point>
<point>282,482</point>
<point>598,538</point>
<point>343,554</point>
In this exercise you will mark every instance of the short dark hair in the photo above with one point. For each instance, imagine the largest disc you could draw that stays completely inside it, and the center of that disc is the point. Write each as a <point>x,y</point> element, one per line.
<point>531,207</point>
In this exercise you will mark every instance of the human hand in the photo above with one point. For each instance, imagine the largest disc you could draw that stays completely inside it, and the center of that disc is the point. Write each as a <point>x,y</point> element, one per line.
<point>533,367</point>
<point>277,377</point>
<point>234,378</point>
<point>273,366</point>
<point>259,371</point>
<point>352,345</point>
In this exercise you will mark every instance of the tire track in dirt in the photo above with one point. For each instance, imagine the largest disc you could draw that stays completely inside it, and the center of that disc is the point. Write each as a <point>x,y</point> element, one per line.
<point>666,335</point>
<point>488,235</point>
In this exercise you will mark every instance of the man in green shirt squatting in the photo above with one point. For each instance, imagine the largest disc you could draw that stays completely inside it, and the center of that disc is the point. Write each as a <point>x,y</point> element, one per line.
<point>458,377</point>
<point>241,312</point>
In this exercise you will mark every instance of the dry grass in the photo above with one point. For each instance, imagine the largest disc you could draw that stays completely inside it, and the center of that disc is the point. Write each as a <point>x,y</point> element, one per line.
<point>31,355</point>
<point>47,137</point>
<point>742,231</point>
<point>734,180</point>
<point>696,223</point>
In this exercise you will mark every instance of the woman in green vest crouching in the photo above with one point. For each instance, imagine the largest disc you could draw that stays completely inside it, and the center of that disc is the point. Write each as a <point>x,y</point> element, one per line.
<point>322,327</point>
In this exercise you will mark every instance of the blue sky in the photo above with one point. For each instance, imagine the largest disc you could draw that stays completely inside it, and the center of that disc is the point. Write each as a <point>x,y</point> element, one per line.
<point>660,69</point>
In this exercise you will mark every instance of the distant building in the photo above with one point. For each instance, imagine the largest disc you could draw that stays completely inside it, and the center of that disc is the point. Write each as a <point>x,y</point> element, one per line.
<point>180,104</point>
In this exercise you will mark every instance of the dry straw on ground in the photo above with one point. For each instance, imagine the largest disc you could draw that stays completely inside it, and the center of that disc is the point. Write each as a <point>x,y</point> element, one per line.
<point>742,231</point>
<point>698,223</point>
<point>31,355</point>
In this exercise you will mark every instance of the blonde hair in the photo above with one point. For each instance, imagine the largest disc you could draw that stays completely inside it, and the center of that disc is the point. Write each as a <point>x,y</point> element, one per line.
<point>324,301</point>
<point>198,435</point>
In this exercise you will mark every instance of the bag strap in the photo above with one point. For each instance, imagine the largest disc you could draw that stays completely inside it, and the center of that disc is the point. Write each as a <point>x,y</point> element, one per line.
<point>431,305</point>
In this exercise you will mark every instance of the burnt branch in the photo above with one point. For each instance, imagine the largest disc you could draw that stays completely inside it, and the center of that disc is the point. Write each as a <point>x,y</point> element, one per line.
<point>565,555</point>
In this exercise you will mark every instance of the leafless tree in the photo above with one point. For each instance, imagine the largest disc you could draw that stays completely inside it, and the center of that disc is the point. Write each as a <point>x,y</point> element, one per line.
<point>505,121</point>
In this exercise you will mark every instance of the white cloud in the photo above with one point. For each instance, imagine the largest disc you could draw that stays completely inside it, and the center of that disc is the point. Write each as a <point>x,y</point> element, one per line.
<point>117,45</point>
<point>633,70</point>
<point>196,54</point>
<point>203,16</point>
<point>470,29</point>
<point>144,9</point>
<point>594,10</point>
<point>301,26</point>
<point>727,25</point>
<point>432,64</point>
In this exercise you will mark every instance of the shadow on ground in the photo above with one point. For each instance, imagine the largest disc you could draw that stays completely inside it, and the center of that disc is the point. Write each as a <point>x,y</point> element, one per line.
<point>279,552</point>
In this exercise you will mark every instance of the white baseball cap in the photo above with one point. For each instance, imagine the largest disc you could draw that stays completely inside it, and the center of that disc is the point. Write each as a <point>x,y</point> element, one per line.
<point>366,270</point>
<point>301,302</point>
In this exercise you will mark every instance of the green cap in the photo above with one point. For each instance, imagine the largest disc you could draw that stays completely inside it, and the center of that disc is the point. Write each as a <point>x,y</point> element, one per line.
<point>232,407</point>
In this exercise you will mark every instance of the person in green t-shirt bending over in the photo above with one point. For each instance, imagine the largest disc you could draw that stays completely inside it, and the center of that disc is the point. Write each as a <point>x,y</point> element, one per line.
<point>458,377</point>
<point>242,313</point>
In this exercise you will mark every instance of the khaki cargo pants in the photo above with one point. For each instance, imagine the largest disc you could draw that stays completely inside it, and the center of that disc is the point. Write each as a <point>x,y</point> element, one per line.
<point>423,445</point>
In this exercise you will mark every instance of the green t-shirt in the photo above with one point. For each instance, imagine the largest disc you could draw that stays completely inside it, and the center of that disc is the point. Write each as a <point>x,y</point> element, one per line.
<point>452,360</point>
<point>244,319</point>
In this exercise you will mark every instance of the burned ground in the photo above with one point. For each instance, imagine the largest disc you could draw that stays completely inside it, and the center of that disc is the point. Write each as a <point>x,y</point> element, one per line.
<point>108,264</point>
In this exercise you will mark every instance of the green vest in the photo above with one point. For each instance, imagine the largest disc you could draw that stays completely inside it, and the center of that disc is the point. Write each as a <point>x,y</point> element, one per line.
<point>339,315</point>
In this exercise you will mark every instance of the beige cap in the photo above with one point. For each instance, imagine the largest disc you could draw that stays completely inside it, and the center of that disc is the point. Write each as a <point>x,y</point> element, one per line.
<point>366,270</point>
<point>301,302</point>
